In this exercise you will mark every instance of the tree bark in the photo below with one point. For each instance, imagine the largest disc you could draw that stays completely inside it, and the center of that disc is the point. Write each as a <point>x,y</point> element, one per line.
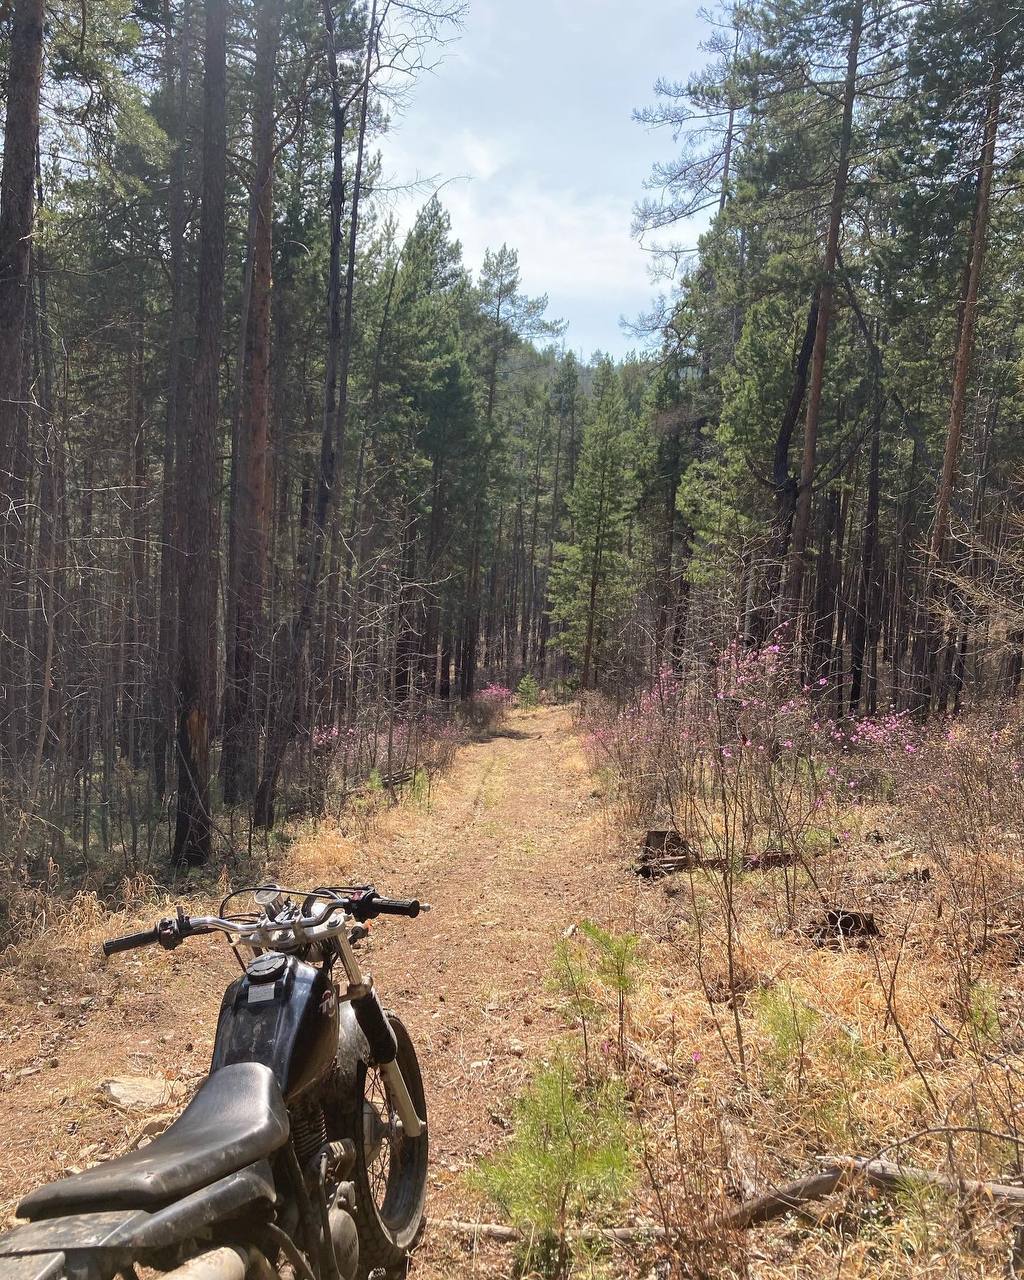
<point>175,422</point>
<point>926,641</point>
<point>802,517</point>
<point>17,210</point>
<point>867,596</point>
<point>249,515</point>
<point>198,605</point>
<point>339,353</point>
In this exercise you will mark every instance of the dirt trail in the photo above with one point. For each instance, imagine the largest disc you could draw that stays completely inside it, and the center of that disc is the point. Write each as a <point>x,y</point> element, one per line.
<point>505,852</point>
<point>507,857</point>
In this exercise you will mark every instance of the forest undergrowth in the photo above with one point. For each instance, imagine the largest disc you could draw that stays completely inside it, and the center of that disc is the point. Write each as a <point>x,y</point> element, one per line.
<point>347,779</point>
<point>831,969</point>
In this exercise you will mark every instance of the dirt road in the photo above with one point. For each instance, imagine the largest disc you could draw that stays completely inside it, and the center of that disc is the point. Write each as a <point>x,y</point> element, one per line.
<point>504,850</point>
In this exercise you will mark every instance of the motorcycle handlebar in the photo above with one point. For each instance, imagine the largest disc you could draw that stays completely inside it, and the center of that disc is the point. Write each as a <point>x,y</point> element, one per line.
<point>130,941</point>
<point>410,907</point>
<point>371,905</point>
<point>170,933</point>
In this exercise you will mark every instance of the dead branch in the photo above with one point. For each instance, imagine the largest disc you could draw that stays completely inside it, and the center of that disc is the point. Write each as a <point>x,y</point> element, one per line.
<point>839,1173</point>
<point>779,1201</point>
<point>502,1234</point>
<point>891,1176</point>
<point>651,1063</point>
<point>843,1170</point>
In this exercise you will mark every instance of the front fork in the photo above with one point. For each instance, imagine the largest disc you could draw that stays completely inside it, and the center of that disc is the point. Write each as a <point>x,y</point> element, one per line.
<point>376,1028</point>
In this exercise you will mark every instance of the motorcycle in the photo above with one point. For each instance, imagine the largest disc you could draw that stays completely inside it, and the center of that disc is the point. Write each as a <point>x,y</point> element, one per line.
<point>303,1154</point>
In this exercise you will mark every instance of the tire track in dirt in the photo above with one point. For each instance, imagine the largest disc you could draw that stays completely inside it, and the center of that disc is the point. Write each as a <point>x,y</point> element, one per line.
<point>508,854</point>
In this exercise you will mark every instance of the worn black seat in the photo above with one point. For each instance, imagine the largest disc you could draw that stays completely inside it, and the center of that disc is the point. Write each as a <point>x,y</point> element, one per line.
<point>237,1117</point>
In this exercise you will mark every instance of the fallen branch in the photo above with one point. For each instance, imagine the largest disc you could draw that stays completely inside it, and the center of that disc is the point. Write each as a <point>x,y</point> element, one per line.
<point>647,1059</point>
<point>886,1174</point>
<point>773,1204</point>
<point>840,1172</point>
<point>480,1230</point>
<point>502,1234</point>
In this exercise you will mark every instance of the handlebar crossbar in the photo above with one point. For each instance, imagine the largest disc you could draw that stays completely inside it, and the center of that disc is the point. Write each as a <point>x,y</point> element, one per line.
<point>270,933</point>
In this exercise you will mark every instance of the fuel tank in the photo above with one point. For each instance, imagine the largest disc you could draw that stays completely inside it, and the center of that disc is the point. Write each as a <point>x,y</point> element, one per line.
<point>283,1013</point>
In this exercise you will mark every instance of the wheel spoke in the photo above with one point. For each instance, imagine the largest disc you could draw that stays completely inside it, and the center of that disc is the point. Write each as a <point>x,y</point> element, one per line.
<point>379,1171</point>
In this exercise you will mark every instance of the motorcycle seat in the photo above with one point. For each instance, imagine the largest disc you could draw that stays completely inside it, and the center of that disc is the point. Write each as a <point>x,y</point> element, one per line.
<point>237,1117</point>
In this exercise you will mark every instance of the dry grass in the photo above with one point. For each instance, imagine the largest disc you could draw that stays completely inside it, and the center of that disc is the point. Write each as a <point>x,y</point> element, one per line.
<point>785,1051</point>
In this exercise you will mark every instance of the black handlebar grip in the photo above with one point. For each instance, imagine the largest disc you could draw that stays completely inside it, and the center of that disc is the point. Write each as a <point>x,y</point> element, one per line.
<point>130,941</point>
<point>398,907</point>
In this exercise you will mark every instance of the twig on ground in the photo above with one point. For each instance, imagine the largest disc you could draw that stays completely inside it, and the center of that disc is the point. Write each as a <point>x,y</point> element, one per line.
<point>647,1059</point>
<point>503,1234</point>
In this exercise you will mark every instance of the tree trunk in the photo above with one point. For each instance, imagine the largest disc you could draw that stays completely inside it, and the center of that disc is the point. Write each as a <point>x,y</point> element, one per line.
<point>21,138</point>
<point>802,517</point>
<point>784,485</point>
<point>175,424</point>
<point>926,641</point>
<point>339,327</point>
<point>249,513</point>
<point>864,616</point>
<point>198,605</point>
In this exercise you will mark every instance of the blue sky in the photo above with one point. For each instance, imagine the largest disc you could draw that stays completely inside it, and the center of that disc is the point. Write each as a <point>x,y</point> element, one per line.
<point>529,119</point>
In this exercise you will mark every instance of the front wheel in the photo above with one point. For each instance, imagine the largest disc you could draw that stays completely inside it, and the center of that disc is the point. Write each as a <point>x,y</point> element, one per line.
<point>390,1172</point>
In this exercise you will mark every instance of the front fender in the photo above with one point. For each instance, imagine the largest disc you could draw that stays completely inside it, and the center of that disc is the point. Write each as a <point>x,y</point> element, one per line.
<point>353,1050</point>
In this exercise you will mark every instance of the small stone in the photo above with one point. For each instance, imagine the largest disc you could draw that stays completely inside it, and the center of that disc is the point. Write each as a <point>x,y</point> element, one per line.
<point>516,1048</point>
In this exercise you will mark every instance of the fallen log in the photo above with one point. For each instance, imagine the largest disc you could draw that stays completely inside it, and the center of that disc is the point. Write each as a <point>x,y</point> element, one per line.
<point>780,1200</point>
<point>842,1171</point>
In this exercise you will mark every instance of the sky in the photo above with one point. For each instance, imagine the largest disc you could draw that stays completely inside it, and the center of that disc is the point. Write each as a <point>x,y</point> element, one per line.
<point>527,122</point>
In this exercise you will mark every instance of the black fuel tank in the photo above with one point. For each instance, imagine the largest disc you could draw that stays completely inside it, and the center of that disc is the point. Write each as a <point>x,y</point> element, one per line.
<point>283,1013</point>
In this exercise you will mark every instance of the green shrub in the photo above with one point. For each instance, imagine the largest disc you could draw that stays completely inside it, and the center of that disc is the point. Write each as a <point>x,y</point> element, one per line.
<point>569,1161</point>
<point>598,961</point>
<point>787,1020</point>
<point>528,692</point>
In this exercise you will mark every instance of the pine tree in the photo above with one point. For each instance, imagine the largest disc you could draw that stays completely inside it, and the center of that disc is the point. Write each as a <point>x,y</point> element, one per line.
<point>591,577</point>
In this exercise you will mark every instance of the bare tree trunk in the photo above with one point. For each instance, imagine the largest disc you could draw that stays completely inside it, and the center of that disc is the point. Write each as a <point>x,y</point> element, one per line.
<point>864,616</point>
<point>198,605</point>
<point>784,485</point>
<point>339,353</point>
<point>174,444</point>
<point>21,138</point>
<point>250,499</point>
<point>802,517</point>
<point>927,640</point>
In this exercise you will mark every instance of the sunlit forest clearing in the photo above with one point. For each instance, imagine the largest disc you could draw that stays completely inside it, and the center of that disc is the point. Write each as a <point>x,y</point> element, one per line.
<point>683,677</point>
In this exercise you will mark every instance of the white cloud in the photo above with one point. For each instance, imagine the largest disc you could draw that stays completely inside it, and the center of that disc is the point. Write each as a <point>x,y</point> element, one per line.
<point>526,134</point>
<point>574,246</point>
<point>567,243</point>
